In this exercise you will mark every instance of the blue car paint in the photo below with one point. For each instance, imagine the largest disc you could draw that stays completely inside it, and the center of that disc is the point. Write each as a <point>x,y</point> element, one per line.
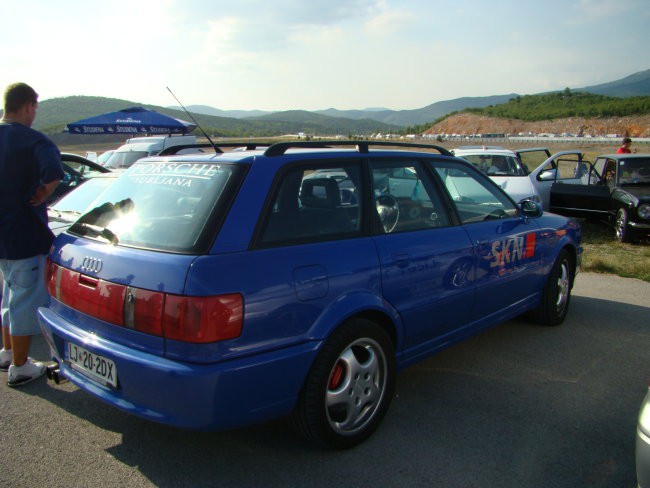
<point>189,395</point>
<point>294,297</point>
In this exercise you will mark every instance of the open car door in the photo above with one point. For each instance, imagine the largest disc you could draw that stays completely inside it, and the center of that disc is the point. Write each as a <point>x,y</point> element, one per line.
<point>566,167</point>
<point>581,200</point>
<point>532,157</point>
<point>591,198</point>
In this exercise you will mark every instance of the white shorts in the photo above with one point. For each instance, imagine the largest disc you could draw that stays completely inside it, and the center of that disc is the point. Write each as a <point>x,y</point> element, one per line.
<point>23,292</point>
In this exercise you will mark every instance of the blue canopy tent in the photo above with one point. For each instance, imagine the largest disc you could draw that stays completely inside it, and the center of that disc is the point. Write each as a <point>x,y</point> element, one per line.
<point>135,120</point>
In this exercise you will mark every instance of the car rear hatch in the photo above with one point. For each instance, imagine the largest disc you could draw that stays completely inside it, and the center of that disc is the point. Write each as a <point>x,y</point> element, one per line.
<point>120,271</point>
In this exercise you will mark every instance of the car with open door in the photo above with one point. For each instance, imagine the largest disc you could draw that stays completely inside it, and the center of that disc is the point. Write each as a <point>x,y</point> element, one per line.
<point>615,189</point>
<point>566,167</point>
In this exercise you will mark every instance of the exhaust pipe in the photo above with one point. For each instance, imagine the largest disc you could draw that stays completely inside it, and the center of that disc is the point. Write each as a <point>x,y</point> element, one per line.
<point>53,373</point>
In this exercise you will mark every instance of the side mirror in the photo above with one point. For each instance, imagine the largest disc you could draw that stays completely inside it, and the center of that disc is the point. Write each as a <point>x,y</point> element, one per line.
<point>530,209</point>
<point>548,175</point>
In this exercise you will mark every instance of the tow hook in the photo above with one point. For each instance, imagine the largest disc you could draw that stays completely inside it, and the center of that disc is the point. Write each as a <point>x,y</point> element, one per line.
<point>53,373</point>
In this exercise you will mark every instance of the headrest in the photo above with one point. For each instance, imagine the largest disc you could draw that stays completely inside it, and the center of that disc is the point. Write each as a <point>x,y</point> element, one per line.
<point>320,192</point>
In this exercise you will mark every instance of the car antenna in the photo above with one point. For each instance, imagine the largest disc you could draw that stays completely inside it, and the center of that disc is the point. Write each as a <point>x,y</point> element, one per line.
<point>194,120</point>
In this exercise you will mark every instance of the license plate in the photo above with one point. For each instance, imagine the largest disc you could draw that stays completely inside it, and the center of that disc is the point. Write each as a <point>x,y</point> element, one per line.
<point>94,366</point>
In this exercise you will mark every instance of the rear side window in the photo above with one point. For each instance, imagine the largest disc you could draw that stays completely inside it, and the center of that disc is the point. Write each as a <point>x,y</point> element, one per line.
<point>315,204</point>
<point>172,206</point>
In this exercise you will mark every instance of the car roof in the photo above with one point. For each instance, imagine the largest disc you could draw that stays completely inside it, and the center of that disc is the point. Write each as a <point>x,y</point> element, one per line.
<point>624,155</point>
<point>247,153</point>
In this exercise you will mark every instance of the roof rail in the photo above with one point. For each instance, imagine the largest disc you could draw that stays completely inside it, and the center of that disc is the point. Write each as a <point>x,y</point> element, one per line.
<point>168,151</point>
<point>280,148</point>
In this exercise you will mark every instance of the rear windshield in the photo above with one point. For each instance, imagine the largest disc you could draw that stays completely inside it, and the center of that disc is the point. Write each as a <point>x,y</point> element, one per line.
<point>163,205</point>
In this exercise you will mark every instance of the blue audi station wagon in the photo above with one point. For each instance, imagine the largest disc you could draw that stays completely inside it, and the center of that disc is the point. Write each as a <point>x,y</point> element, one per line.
<point>213,291</point>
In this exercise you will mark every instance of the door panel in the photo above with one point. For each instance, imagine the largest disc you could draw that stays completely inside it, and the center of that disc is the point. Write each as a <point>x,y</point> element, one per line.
<point>580,200</point>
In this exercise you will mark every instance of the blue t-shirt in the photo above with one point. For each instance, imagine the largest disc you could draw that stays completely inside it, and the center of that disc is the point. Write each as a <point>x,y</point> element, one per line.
<point>28,159</point>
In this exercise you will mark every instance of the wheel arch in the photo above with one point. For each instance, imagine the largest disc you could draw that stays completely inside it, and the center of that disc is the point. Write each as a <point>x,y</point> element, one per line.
<point>359,305</point>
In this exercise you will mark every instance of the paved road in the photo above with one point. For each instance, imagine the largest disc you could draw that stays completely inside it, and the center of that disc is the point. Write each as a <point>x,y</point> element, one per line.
<point>520,405</point>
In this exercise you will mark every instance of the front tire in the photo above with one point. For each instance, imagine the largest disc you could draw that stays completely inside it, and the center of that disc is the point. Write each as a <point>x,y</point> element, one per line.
<point>556,295</point>
<point>620,226</point>
<point>349,387</point>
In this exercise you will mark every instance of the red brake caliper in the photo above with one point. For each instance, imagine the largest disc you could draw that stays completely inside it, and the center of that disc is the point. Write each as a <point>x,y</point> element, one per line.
<point>337,376</point>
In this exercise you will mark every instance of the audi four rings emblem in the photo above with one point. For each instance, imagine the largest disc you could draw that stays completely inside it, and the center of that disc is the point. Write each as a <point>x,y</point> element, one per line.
<point>92,265</point>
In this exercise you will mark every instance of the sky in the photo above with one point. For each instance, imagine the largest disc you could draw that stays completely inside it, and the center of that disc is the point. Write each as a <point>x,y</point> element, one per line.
<point>316,54</point>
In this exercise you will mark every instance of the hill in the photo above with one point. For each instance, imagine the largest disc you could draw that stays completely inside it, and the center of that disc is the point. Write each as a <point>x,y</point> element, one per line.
<point>405,118</point>
<point>235,114</point>
<point>54,114</point>
<point>566,104</point>
<point>311,122</point>
<point>635,85</point>
<point>473,123</point>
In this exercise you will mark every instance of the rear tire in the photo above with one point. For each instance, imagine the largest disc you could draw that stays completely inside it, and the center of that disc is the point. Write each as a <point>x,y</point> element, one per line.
<point>349,387</point>
<point>556,295</point>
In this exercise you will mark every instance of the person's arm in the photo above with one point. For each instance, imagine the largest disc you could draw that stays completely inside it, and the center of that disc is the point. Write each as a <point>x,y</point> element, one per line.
<point>43,192</point>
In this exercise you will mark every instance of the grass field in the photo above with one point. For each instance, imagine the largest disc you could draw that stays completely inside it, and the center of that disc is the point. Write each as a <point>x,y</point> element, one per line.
<point>603,254</point>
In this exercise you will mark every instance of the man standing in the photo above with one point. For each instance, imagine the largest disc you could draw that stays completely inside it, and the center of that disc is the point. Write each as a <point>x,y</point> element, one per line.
<point>625,146</point>
<point>30,170</point>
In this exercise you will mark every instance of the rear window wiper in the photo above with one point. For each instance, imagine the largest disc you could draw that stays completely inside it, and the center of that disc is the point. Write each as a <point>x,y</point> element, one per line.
<point>85,229</point>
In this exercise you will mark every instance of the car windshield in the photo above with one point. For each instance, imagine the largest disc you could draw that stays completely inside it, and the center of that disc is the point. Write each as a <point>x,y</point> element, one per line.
<point>162,205</point>
<point>634,171</point>
<point>124,159</point>
<point>104,157</point>
<point>496,164</point>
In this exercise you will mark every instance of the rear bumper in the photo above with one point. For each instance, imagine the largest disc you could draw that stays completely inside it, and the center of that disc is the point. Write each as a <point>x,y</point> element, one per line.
<point>215,396</point>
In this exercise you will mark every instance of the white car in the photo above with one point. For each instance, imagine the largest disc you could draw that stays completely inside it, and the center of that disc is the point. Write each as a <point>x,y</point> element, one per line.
<point>504,167</point>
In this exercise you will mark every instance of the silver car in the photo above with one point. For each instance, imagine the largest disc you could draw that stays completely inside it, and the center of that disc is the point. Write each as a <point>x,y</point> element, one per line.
<point>643,444</point>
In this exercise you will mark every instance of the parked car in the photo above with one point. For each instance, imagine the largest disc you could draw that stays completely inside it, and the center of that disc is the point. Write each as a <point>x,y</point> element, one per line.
<point>212,291</point>
<point>643,444</point>
<point>504,167</point>
<point>615,188</point>
<point>141,147</point>
<point>77,169</point>
<point>68,208</point>
<point>105,156</point>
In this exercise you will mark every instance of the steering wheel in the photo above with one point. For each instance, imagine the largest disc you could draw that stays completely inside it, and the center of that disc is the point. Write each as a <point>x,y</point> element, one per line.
<point>388,210</point>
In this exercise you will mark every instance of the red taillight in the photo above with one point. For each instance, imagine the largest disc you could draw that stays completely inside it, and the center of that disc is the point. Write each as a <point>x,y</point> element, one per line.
<point>181,318</point>
<point>203,319</point>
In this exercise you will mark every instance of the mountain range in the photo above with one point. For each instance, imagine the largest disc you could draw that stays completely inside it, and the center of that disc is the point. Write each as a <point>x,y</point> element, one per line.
<point>637,84</point>
<point>55,113</point>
